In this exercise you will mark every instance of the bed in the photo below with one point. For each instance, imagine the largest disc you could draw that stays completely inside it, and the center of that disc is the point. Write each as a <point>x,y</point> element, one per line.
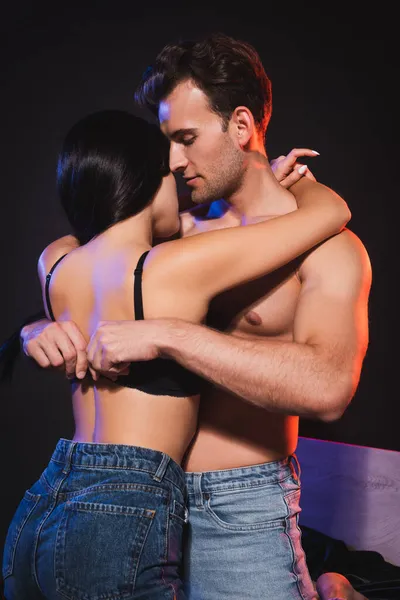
<point>352,493</point>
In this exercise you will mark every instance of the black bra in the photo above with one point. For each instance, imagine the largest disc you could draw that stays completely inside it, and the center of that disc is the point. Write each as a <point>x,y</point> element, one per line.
<point>159,377</point>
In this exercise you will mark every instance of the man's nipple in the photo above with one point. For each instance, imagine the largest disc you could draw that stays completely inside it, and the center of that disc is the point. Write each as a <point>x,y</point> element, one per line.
<point>253,318</point>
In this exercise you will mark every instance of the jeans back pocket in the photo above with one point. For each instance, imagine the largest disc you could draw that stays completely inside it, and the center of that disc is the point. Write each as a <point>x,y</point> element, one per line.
<point>98,549</point>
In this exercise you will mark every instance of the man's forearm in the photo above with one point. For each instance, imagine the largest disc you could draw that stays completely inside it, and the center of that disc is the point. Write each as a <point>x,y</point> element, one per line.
<point>280,376</point>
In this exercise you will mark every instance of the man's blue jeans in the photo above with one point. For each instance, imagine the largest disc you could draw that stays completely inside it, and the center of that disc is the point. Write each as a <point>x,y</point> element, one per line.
<point>243,540</point>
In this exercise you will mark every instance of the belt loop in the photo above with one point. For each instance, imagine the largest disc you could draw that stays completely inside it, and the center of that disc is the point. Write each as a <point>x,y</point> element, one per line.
<point>68,458</point>
<point>162,467</point>
<point>198,494</point>
<point>297,465</point>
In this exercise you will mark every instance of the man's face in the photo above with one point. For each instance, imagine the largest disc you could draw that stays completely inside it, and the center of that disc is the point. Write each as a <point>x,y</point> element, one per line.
<point>209,158</point>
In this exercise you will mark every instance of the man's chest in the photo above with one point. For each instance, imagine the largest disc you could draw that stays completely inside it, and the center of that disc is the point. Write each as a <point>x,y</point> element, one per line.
<point>264,307</point>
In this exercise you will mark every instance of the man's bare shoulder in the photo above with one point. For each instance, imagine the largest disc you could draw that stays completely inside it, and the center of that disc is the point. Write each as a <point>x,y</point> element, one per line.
<point>346,243</point>
<point>342,256</point>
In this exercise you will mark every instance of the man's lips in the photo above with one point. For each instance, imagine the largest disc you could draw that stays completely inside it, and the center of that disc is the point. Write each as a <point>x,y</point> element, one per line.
<point>191,180</point>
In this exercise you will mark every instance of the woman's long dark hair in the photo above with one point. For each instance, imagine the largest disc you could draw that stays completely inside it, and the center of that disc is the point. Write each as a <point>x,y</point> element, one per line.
<point>110,167</point>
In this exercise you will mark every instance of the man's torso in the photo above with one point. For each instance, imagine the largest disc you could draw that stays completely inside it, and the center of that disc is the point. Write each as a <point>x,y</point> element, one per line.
<point>231,432</point>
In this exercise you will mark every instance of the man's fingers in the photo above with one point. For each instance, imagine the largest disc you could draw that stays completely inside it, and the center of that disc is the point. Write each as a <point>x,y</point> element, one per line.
<point>52,352</point>
<point>38,354</point>
<point>45,353</point>
<point>111,376</point>
<point>94,374</point>
<point>100,366</point>
<point>59,345</point>
<point>124,372</point>
<point>81,364</point>
<point>97,374</point>
<point>68,354</point>
<point>75,351</point>
<point>120,368</point>
<point>74,334</point>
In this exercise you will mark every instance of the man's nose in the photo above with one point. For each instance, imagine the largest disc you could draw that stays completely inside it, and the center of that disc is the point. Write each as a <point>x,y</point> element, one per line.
<point>177,158</point>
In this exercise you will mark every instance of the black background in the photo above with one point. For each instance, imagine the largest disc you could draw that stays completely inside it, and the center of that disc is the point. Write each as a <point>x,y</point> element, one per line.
<point>334,81</point>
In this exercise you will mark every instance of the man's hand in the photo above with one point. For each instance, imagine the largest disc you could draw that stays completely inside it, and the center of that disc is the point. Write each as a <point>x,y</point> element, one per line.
<point>58,345</point>
<point>115,344</point>
<point>288,171</point>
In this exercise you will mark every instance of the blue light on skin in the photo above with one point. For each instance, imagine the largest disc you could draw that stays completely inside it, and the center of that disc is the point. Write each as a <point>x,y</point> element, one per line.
<point>164,112</point>
<point>217,209</point>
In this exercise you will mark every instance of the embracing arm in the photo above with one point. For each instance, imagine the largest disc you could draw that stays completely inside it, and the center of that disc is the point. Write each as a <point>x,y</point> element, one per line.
<point>214,261</point>
<point>313,376</point>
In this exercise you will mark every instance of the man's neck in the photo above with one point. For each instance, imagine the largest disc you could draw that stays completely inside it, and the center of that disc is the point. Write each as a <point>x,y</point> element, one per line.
<point>260,193</point>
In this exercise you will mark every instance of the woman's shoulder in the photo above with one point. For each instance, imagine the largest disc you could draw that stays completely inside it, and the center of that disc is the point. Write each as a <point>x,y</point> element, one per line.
<point>53,252</point>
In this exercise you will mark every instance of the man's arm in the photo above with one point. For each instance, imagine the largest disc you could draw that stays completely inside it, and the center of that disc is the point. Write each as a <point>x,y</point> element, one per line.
<point>317,374</point>
<point>313,376</point>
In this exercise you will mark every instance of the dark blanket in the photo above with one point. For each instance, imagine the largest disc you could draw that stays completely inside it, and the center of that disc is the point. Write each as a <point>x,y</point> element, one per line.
<point>367,571</point>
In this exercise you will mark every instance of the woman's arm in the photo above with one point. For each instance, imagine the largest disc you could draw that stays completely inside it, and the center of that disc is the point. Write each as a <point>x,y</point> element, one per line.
<point>212,262</point>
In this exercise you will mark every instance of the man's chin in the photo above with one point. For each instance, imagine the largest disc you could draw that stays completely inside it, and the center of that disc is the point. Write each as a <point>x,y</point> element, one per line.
<point>200,200</point>
<point>187,202</point>
<point>197,197</point>
<point>190,197</point>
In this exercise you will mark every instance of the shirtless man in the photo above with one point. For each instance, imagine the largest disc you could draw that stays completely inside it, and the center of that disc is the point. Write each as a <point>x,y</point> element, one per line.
<point>288,345</point>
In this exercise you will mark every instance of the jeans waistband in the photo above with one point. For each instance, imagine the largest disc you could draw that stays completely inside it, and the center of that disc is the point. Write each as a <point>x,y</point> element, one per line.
<point>118,456</point>
<point>269,472</point>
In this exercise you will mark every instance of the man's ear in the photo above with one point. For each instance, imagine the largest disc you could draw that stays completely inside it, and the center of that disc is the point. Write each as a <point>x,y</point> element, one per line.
<point>242,121</point>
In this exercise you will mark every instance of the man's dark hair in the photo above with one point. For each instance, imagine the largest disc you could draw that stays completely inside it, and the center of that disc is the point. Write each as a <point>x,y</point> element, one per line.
<point>227,70</point>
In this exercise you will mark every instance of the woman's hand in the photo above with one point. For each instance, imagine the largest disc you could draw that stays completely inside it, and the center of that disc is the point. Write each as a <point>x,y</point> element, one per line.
<point>288,171</point>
